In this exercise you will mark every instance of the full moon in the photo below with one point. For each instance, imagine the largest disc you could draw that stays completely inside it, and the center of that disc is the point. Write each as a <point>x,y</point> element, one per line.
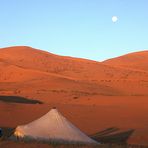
<point>114,19</point>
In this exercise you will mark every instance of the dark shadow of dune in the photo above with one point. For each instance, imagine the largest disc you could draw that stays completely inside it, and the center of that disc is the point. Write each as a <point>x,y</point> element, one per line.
<point>17,99</point>
<point>113,136</point>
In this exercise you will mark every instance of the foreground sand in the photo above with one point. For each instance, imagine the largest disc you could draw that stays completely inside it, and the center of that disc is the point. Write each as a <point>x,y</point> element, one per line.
<point>90,116</point>
<point>10,144</point>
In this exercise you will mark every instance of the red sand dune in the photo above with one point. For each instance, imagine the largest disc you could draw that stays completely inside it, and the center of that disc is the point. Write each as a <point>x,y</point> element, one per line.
<point>99,94</point>
<point>28,65</point>
<point>137,60</point>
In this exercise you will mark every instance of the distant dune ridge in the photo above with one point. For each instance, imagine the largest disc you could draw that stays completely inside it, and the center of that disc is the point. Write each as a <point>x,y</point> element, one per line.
<point>24,68</point>
<point>137,60</point>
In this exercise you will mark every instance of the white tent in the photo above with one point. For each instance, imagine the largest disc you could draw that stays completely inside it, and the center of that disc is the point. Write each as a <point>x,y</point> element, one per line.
<point>53,127</point>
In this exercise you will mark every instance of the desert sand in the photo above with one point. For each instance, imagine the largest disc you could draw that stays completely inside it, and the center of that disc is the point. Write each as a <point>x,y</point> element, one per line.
<point>92,95</point>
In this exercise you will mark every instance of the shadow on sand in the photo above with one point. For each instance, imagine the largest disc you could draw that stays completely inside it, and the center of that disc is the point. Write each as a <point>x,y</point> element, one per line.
<point>17,99</point>
<point>113,135</point>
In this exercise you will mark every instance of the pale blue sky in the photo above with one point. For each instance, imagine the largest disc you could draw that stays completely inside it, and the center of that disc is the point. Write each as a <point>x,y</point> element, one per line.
<point>79,28</point>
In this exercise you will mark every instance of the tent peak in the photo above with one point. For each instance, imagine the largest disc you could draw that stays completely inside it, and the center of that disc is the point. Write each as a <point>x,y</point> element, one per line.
<point>54,107</point>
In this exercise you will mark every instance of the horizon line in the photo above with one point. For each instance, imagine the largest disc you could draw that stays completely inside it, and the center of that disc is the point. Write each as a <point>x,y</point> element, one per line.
<point>70,56</point>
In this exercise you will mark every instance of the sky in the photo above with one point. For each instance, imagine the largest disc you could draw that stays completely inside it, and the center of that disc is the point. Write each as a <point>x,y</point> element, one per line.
<point>78,28</point>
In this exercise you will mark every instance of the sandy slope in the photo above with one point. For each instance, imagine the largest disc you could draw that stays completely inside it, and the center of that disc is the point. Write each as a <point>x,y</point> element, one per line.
<point>99,94</point>
<point>137,60</point>
<point>26,65</point>
<point>30,58</point>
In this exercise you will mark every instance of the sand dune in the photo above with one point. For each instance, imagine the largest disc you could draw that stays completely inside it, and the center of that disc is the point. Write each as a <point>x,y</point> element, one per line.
<point>26,65</point>
<point>137,60</point>
<point>99,94</point>
<point>29,58</point>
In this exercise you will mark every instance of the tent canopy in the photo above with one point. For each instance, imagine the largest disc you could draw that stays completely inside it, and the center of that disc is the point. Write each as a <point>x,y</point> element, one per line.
<point>53,126</point>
